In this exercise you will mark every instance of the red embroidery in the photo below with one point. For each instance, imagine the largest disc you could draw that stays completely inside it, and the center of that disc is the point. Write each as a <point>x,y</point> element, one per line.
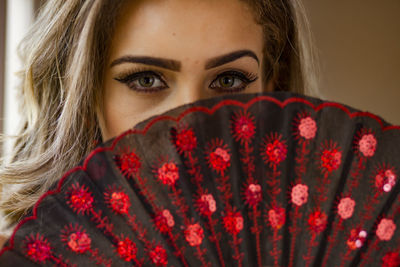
<point>367,145</point>
<point>194,234</point>
<point>218,155</point>
<point>126,249</point>
<point>118,201</point>
<point>307,127</point>
<point>253,194</point>
<point>346,207</point>
<point>233,222</point>
<point>385,230</point>
<point>276,217</point>
<point>299,194</point>
<point>330,159</point>
<point>158,256</point>
<point>79,199</point>
<point>317,221</point>
<point>164,221</point>
<point>243,127</point>
<point>168,173</point>
<point>37,248</point>
<point>357,238</point>
<point>391,259</point>
<point>128,163</point>
<point>273,149</point>
<point>385,180</point>
<point>184,139</point>
<point>206,205</point>
<point>76,239</point>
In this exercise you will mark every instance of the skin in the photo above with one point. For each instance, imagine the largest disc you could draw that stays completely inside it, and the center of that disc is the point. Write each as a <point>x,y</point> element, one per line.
<point>190,32</point>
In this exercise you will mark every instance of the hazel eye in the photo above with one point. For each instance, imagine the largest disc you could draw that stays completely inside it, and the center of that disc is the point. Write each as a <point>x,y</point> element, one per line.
<point>232,81</point>
<point>144,81</point>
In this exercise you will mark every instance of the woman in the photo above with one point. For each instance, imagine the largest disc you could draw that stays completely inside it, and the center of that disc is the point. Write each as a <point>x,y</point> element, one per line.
<point>94,68</point>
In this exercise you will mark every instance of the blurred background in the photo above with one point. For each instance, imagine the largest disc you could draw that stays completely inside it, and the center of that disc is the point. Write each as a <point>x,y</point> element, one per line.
<point>358,45</point>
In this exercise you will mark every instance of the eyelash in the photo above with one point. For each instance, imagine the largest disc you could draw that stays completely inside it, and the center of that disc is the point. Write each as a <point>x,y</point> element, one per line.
<point>129,78</point>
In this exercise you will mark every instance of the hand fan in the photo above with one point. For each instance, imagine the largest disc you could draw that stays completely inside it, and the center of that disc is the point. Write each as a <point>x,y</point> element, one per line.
<point>262,179</point>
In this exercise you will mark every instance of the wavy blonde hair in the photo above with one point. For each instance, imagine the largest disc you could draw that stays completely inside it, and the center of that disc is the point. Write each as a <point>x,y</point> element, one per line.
<point>64,54</point>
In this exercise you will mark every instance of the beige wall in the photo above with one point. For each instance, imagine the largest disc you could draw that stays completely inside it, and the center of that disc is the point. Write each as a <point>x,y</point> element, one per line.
<point>359,51</point>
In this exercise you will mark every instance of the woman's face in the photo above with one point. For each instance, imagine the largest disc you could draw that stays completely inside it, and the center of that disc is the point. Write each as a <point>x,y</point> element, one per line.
<point>165,53</point>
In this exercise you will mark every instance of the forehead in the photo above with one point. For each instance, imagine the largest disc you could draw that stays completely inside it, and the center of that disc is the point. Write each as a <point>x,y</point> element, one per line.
<point>185,28</point>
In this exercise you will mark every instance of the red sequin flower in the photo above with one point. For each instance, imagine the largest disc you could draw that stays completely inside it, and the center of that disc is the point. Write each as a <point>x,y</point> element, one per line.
<point>118,201</point>
<point>76,239</point>
<point>126,249</point>
<point>299,194</point>
<point>367,145</point>
<point>346,207</point>
<point>331,158</point>
<point>253,194</point>
<point>276,217</point>
<point>243,127</point>
<point>385,180</point>
<point>164,221</point>
<point>218,156</point>
<point>391,259</point>
<point>357,238</point>
<point>194,234</point>
<point>233,222</point>
<point>158,256</point>
<point>307,127</point>
<point>385,229</point>
<point>317,221</point>
<point>168,173</point>
<point>184,139</point>
<point>128,163</point>
<point>37,248</point>
<point>206,204</point>
<point>274,149</point>
<point>79,199</point>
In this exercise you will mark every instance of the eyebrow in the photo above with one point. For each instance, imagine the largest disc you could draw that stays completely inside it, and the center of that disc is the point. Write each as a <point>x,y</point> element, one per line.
<point>176,65</point>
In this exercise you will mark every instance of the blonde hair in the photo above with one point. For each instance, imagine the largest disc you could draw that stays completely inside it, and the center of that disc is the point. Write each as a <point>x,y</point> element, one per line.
<point>61,90</point>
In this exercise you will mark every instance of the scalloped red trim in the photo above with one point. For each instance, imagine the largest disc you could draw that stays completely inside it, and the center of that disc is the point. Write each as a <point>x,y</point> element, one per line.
<point>209,111</point>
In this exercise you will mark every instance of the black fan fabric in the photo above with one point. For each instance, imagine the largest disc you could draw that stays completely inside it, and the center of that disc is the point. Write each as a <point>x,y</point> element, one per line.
<point>265,179</point>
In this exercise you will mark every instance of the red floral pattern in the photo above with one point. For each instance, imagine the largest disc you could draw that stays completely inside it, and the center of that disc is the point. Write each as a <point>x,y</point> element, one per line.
<point>37,248</point>
<point>386,228</point>
<point>129,163</point>
<point>152,212</point>
<point>274,149</point>
<point>206,204</point>
<point>164,221</point>
<point>357,238</point>
<point>127,250</point>
<point>168,173</point>
<point>79,198</point>
<point>346,207</point>
<point>385,180</point>
<point>76,239</point>
<point>307,127</point>
<point>317,221</point>
<point>233,222</point>
<point>276,217</point>
<point>159,256</point>
<point>194,234</point>
<point>299,194</point>
<point>244,127</point>
<point>391,259</point>
<point>253,194</point>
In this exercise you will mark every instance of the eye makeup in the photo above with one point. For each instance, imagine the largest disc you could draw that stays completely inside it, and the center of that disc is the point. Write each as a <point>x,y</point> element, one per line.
<point>134,78</point>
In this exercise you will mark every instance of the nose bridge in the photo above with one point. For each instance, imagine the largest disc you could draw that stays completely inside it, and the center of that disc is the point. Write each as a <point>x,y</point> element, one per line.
<point>189,91</point>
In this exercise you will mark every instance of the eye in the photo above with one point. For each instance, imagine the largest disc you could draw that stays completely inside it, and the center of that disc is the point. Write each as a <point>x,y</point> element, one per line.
<point>145,81</point>
<point>233,81</point>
